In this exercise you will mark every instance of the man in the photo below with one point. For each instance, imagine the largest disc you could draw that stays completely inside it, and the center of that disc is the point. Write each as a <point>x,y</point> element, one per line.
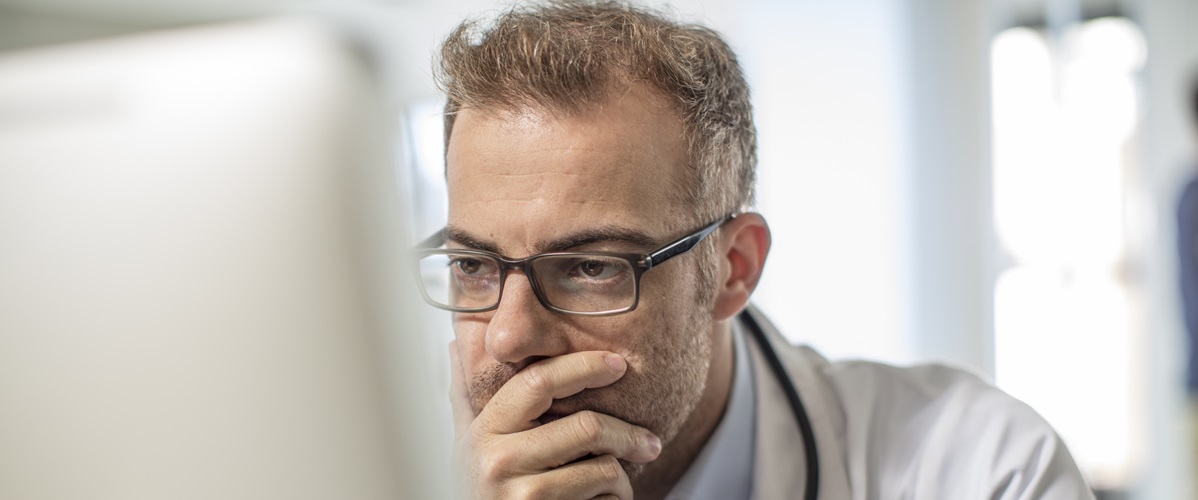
<point>598,257</point>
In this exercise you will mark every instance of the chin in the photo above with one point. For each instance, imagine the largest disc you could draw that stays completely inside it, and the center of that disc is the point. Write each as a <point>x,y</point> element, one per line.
<point>632,469</point>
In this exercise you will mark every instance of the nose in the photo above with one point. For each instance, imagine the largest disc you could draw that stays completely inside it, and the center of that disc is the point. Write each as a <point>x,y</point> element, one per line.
<point>521,330</point>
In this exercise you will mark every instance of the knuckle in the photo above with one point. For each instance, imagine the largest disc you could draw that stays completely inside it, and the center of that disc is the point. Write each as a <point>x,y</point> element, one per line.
<point>475,434</point>
<point>535,379</point>
<point>494,467</point>
<point>594,365</point>
<point>609,468</point>
<point>529,490</point>
<point>588,426</point>
<point>635,437</point>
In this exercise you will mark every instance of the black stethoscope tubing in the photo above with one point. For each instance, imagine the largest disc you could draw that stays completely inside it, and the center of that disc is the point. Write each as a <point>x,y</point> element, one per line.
<point>796,405</point>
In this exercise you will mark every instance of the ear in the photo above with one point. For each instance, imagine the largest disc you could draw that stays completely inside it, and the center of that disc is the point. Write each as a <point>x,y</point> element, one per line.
<point>743,246</point>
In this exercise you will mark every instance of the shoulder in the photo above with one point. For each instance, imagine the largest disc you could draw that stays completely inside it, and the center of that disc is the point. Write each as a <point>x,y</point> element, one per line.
<point>894,404</point>
<point>911,429</point>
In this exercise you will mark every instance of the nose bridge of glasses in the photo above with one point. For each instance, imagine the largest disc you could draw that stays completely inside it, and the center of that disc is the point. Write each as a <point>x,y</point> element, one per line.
<point>524,266</point>
<point>507,265</point>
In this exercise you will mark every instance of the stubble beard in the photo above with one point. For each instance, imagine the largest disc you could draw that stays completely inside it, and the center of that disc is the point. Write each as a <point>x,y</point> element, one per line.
<point>660,393</point>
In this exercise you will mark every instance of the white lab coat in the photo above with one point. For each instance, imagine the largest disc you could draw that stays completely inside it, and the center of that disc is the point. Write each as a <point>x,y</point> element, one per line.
<point>921,433</point>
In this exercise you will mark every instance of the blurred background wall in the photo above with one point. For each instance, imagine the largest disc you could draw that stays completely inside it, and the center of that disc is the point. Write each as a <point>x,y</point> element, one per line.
<point>986,183</point>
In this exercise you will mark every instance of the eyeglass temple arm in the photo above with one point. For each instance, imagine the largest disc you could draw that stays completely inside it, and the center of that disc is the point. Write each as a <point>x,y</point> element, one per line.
<point>683,245</point>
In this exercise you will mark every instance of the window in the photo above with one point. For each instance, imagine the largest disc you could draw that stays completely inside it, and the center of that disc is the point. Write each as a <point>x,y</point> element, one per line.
<point>1067,334</point>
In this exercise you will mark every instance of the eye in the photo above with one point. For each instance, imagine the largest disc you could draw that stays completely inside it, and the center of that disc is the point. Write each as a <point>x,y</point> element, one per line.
<point>592,268</point>
<point>467,265</point>
<point>596,269</point>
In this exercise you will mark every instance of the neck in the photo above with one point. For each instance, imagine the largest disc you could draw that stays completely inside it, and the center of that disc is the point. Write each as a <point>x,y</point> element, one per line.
<point>660,475</point>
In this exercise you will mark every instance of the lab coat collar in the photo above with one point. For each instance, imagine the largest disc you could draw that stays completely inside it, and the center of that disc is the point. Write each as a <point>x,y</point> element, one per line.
<point>780,463</point>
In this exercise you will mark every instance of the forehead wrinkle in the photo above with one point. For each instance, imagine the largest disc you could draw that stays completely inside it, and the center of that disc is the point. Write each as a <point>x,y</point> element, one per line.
<point>539,179</point>
<point>565,167</point>
<point>568,156</point>
<point>539,148</point>
<point>547,188</point>
<point>527,174</point>
<point>530,200</point>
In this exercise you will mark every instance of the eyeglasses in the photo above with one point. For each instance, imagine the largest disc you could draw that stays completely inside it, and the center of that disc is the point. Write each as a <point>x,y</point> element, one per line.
<point>579,283</point>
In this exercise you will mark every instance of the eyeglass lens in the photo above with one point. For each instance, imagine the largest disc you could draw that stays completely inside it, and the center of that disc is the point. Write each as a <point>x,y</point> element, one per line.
<point>575,282</point>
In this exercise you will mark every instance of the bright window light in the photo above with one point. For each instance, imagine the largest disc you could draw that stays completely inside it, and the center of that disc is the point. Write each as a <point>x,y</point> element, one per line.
<point>1064,113</point>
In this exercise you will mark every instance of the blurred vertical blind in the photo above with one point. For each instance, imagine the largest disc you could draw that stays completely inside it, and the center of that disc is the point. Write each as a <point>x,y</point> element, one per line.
<point>1069,334</point>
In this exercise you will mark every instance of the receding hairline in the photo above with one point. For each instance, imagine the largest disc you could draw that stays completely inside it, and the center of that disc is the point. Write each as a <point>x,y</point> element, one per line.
<point>618,85</point>
<point>562,56</point>
<point>617,89</point>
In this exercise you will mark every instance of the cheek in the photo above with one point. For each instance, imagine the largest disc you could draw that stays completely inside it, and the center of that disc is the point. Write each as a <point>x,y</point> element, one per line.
<point>666,328</point>
<point>669,299</point>
<point>472,343</point>
<point>637,337</point>
<point>671,285</point>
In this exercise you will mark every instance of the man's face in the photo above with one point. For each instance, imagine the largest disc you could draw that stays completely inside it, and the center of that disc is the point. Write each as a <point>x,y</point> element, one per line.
<point>525,182</point>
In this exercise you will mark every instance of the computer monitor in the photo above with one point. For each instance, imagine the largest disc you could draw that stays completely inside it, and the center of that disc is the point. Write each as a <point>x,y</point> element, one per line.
<point>200,293</point>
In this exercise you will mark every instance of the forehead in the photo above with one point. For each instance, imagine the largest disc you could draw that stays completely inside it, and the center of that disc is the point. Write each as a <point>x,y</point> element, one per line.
<point>520,178</point>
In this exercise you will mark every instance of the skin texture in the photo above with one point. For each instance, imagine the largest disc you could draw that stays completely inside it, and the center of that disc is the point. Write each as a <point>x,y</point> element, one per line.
<point>550,404</point>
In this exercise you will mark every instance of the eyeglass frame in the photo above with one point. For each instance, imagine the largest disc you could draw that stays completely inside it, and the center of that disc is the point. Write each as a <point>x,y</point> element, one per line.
<point>640,263</point>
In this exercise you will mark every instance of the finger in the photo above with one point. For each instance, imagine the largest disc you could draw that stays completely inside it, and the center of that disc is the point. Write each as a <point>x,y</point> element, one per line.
<point>588,433</point>
<point>459,399</point>
<point>601,477</point>
<point>524,398</point>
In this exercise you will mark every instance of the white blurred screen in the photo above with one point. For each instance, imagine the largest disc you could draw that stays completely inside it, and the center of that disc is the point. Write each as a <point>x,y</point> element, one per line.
<point>199,288</point>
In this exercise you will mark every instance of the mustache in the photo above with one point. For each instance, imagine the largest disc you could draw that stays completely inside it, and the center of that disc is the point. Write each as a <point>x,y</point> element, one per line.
<point>487,383</point>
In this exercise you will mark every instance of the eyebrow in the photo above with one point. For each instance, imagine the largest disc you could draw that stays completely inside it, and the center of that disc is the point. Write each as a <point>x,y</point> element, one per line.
<point>561,244</point>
